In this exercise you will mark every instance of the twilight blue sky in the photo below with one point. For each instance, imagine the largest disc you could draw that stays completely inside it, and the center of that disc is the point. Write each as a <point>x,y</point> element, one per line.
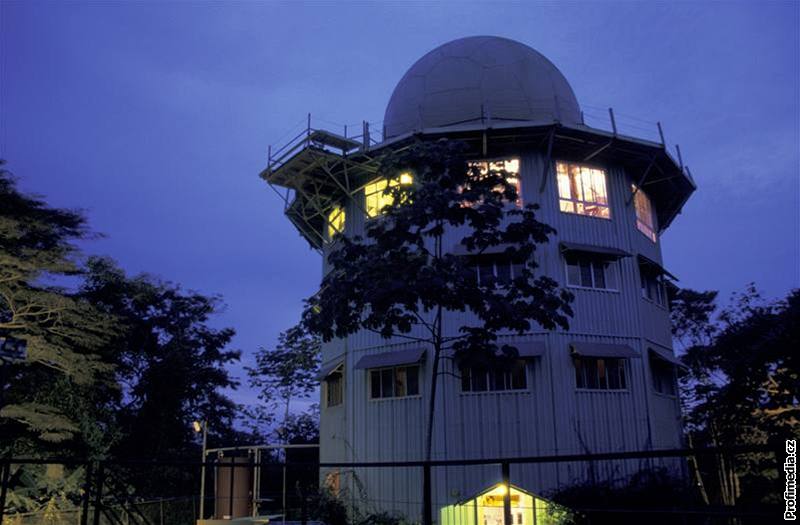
<point>155,118</point>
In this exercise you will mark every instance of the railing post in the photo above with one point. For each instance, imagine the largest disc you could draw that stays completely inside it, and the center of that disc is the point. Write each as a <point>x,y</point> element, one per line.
<point>4,477</point>
<point>98,495</point>
<point>86,496</point>
<point>613,120</point>
<point>661,134</point>
<point>505,467</point>
<point>427,503</point>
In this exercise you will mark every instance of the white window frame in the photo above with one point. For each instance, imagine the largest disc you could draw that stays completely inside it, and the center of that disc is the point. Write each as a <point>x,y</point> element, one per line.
<point>642,204</point>
<point>507,379</point>
<point>339,371</point>
<point>495,260</point>
<point>663,366</point>
<point>624,368</point>
<point>331,218</point>
<point>404,179</point>
<point>612,266</point>
<point>582,203</point>
<point>661,288</point>
<point>394,370</point>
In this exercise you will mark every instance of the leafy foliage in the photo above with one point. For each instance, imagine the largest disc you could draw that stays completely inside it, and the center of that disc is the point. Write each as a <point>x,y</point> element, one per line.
<point>283,374</point>
<point>743,383</point>
<point>400,279</point>
<point>64,334</point>
<point>169,362</point>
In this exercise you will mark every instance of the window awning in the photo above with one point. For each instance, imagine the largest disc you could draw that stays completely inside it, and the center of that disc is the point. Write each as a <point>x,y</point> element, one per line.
<point>398,358</point>
<point>668,357</point>
<point>528,348</point>
<point>606,251</point>
<point>460,249</point>
<point>603,350</point>
<point>328,369</point>
<point>654,267</point>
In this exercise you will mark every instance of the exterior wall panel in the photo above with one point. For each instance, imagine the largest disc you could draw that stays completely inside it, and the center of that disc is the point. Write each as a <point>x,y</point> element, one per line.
<point>551,416</point>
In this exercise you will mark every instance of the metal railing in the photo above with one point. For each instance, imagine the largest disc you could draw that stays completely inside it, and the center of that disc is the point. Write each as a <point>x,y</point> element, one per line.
<point>107,496</point>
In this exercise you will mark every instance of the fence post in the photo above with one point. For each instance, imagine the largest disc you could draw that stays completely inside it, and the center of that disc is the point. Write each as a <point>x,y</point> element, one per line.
<point>87,486</point>
<point>6,474</point>
<point>427,504</point>
<point>98,495</point>
<point>505,468</point>
<point>233,462</point>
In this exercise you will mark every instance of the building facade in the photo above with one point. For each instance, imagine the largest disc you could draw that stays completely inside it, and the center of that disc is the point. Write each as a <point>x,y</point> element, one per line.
<point>607,384</point>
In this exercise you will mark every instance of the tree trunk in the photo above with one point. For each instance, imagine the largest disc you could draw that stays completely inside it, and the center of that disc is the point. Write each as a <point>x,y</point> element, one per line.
<point>437,350</point>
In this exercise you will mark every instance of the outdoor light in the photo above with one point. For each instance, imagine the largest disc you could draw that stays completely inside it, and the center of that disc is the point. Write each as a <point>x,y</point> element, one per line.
<point>406,179</point>
<point>197,426</point>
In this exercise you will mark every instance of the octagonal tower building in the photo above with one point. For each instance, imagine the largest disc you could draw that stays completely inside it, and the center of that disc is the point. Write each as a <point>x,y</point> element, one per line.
<point>607,384</point>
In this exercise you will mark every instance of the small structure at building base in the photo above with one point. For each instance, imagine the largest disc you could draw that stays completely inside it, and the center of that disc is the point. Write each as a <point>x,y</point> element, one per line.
<point>488,508</point>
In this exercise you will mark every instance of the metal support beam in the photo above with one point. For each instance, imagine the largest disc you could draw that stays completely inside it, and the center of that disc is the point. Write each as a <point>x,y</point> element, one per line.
<point>599,150</point>
<point>641,179</point>
<point>427,502</point>
<point>613,121</point>
<point>506,473</point>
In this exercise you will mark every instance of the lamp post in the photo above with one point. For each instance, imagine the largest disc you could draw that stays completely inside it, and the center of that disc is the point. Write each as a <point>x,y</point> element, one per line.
<point>202,427</point>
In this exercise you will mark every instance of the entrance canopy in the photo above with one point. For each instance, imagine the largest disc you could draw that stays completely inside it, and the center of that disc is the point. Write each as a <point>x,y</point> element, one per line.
<point>487,508</point>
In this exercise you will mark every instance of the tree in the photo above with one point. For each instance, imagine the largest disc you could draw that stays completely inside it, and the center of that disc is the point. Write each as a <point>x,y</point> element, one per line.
<point>170,363</point>
<point>401,280</point>
<point>743,382</point>
<point>64,334</point>
<point>285,373</point>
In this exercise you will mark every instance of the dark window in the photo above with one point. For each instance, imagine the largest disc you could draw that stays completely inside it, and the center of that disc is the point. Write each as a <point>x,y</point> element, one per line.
<point>494,378</point>
<point>399,381</point>
<point>589,271</point>
<point>495,269</point>
<point>333,386</point>
<point>663,374</point>
<point>653,287</point>
<point>600,373</point>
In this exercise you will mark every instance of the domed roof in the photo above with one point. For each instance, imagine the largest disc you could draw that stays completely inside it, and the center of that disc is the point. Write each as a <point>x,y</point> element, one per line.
<point>475,78</point>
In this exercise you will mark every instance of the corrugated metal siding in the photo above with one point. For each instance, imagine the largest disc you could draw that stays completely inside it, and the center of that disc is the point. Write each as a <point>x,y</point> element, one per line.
<point>551,416</point>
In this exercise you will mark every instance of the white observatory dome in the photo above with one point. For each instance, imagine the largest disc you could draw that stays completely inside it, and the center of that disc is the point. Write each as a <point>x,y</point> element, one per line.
<point>475,78</point>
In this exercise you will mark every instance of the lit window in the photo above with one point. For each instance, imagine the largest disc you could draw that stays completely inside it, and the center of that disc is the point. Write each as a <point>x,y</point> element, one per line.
<point>653,286</point>
<point>375,197</point>
<point>645,218</point>
<point>582,190</point>
<point>511,167</point>
<point>336,219</point>
<point>587,271</point>
<point>663,374</point>
<point>600,373</point>
<point>334,384</point>
<point>490,270</point>
<point>398,381</point>
<point>494,378</point>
